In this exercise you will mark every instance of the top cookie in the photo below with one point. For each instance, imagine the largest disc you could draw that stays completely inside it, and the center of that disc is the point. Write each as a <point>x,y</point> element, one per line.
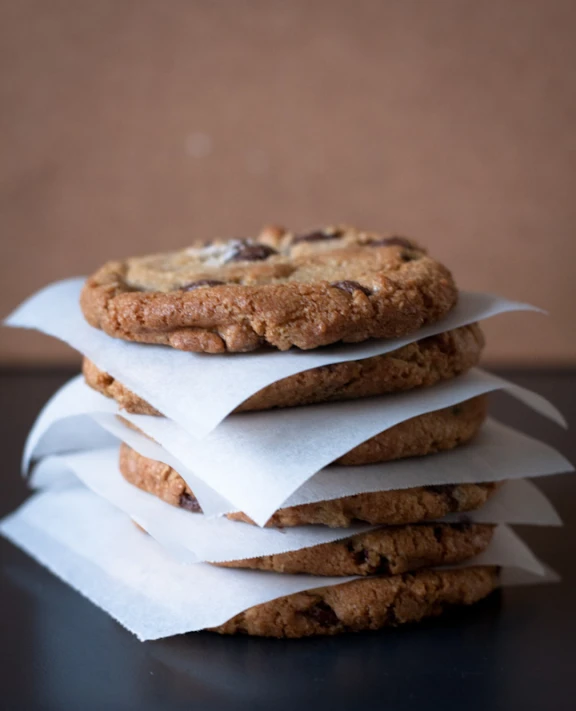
<point>279,290</point>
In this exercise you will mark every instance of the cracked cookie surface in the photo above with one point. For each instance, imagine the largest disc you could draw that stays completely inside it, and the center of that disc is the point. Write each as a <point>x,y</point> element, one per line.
<point>365,604</point>
<point>280,290</point>
<point>420,364</point>
<point>392,508</point>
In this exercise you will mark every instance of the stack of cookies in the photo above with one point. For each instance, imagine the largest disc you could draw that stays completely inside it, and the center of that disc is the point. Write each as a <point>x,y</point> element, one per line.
<point>283,291</point>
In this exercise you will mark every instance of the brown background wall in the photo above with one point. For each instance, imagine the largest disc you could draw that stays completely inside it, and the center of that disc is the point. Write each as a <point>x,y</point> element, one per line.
<point>133,126</point>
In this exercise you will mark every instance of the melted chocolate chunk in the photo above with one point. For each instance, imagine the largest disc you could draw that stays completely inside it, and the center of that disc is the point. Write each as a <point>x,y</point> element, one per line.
<point>457,410</point>
<point>383,567</point>
<point>190,503</point>
<point>446,490</point>
<point>351,287</point>
<point>361,556</point>
<point>392,242</point>
<point>323,614</point>
<point>409,257</point>
<point>248,252</point>
<point>438,532</point>
<point>201,282</point>
<point>317,236</point>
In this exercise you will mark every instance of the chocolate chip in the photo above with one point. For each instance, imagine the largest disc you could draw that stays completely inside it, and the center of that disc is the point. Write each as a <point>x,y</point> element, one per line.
<point>323,614</point>
<point>351,287</point>
<point>438,532</point>
<point>409,257</point>
<point>457,410</point>
<point>201,282</point>
<point>317,236</point>
<point>383,567</point>
<point>249,252</point>
<point>392,242</point>
<point>190,503</point>
<point>360,557</point>
<point>446,490</point>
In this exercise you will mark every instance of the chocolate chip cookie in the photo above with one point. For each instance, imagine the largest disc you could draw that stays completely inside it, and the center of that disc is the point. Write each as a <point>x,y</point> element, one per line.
<point>420,364</point>
<point>365,604</point>
<point>337,284</point>
<point>432,432</point>
<point>385,551</point>
<point>382,507</point>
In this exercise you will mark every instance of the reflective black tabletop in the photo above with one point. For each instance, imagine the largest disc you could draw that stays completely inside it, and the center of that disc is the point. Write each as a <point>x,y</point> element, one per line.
<point>516,650</point>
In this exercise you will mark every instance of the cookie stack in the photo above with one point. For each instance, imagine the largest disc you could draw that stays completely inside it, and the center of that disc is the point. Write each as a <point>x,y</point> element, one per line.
<point>283,291</point>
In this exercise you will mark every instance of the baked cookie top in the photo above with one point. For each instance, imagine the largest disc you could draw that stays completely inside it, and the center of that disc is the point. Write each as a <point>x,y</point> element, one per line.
<point>279,289</point>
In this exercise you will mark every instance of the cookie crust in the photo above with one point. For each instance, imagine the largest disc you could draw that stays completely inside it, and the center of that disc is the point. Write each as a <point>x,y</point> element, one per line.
<point>420,364</point>
<point>393,508</point>
<point>386,551</point>
<point>365,604</point>
<point>432,432</point>
<point>280,290</point>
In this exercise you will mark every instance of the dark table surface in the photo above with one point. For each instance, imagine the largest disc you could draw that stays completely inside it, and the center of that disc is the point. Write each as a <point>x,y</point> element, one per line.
<point>516,650</point>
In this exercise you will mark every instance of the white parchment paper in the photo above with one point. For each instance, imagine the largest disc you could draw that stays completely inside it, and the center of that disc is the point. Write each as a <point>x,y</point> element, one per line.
<point>197,391</point>
<point>77,418</point>
<point>190,536</point>
<point>498,453</point>
<point>194,537</point>
<point>95,548</point>
<point>277,452</point>
<point>256,461</point>
<point>517,501</point>
<point>64,423</point>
